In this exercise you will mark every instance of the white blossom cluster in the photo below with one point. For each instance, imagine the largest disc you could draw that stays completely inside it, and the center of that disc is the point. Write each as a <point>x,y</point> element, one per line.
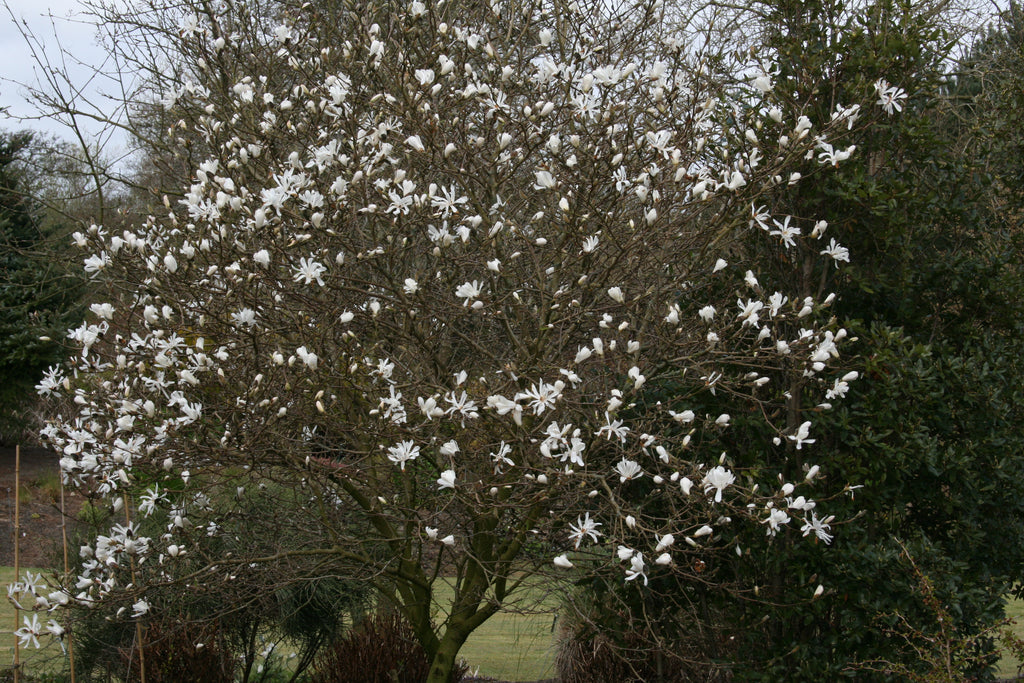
<point>436,275</point>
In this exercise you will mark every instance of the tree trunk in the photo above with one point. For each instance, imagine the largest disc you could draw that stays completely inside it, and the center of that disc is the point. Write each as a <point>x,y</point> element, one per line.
<point>443,664</point>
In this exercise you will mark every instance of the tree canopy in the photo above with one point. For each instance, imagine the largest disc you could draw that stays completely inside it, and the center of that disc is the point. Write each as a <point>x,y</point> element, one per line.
<point>490,292</point>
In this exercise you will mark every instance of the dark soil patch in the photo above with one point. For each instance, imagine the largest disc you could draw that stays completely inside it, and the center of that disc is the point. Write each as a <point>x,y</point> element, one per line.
<point>39,519</point>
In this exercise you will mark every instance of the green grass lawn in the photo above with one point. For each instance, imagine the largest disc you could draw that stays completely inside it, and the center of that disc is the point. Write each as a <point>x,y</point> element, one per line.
<point>1014,610</point>
<point>515,645</point>
<point>47,659</point>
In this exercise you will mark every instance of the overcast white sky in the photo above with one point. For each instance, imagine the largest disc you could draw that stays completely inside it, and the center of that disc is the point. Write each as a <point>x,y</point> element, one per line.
<point>50,21</point>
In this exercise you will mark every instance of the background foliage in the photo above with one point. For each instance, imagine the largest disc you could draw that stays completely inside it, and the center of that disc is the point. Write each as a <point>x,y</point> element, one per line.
<point>37,295</point>
<point>931,212</point>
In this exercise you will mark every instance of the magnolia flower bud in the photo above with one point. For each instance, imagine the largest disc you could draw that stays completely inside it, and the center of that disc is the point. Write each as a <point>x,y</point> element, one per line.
<point>562,562</point>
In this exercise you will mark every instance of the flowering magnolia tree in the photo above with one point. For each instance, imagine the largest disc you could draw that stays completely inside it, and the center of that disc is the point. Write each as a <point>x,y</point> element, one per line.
<point>450,283</point>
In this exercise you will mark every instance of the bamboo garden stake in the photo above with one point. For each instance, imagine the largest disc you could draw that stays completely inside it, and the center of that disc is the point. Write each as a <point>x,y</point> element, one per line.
<point>17,539</point>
